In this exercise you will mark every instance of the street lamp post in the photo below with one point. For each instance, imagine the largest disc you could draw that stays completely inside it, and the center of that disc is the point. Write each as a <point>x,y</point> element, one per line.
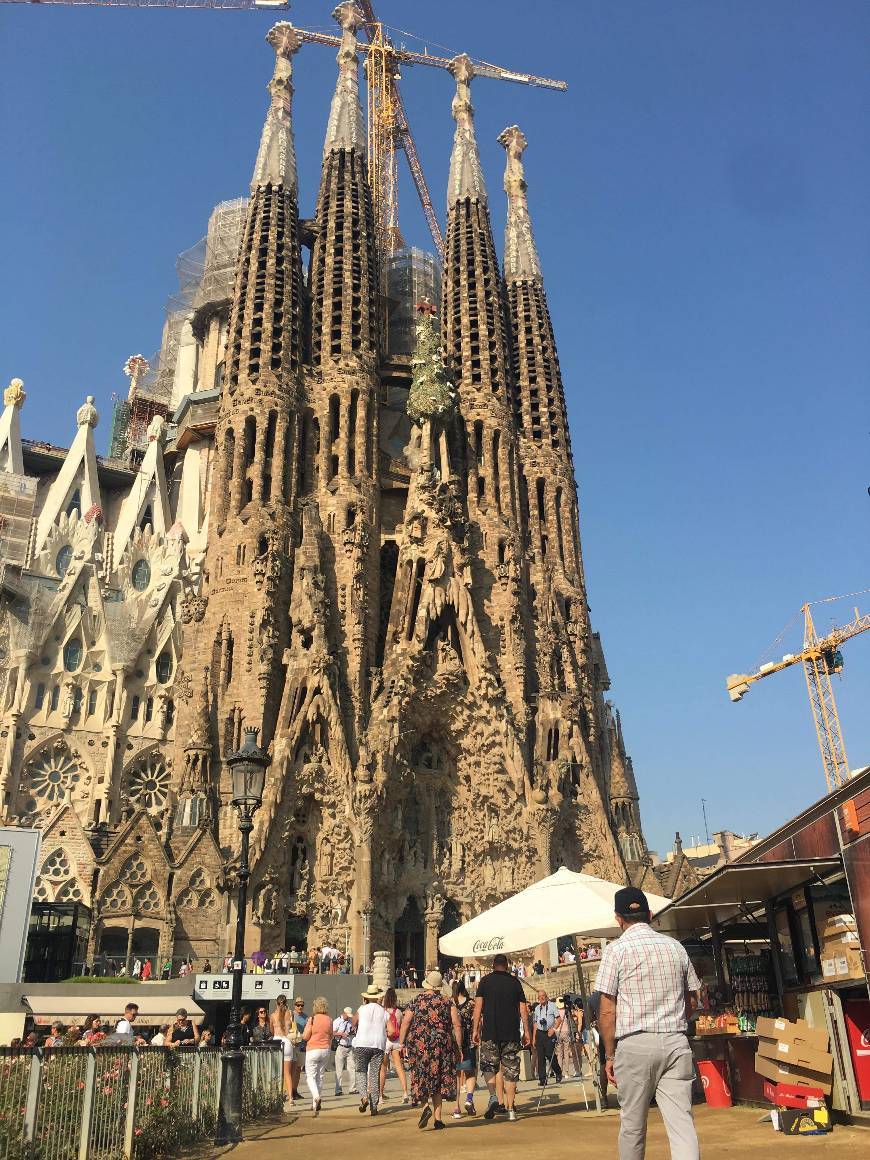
<point>248,772</point>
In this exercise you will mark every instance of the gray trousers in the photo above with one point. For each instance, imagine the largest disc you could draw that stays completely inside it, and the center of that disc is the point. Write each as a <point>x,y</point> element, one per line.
<point>650,1065</point>
<point>344,1061</point>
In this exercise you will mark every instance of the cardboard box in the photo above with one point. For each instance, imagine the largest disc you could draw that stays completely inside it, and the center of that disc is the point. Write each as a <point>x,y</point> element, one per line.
<point>791,1095</point>
<point>773,1069</point>
<point>841,963</point>
<point>784,1031</point>
<point>795,1122</point>
<point>798,1055</point>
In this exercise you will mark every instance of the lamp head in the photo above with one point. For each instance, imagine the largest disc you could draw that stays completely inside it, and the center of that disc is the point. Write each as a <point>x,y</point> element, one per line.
<point>248,773</point>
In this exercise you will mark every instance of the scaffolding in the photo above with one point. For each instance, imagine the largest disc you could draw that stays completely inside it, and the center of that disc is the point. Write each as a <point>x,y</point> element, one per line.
<point>206,273</point>
<point>225,228</point>
<point>412,275</point>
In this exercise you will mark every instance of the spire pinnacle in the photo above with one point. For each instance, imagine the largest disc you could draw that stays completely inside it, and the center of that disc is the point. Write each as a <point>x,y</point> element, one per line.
<point>466,177</point>
<point>521,262</point>
<point>344,130</point>
<point>276,159</point>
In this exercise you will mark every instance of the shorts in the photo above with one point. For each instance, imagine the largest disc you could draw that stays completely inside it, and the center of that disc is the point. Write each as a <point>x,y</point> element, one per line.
<point>392,1045</point>
<point>501,1055</point>
<point>288,1049</point>
<point>469,1062</point>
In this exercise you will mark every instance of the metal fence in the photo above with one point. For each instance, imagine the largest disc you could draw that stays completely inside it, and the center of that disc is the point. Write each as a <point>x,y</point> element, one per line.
<point>105,1103</point>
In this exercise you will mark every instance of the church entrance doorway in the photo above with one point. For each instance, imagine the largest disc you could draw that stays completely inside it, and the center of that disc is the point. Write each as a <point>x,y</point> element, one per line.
<point>296,933</point>
<point>146,943</point>
<point>409,942</point>
<point>451,920</point>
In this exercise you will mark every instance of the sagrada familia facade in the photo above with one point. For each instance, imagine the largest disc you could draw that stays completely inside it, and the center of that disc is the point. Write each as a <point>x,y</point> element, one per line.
<point>406,627</point>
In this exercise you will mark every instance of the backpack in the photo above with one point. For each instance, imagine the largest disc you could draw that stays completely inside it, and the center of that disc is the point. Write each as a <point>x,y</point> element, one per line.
<point>393,1025</point>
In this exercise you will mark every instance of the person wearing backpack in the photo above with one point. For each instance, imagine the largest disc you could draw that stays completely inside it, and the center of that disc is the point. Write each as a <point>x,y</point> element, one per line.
<point>393,1052</point>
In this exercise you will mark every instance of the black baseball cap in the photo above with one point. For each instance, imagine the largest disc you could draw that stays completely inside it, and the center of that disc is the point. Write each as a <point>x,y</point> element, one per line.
<point>629,902</point>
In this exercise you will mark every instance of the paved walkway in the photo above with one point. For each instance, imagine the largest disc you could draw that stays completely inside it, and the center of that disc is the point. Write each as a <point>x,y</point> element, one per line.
<point>561,1126</point>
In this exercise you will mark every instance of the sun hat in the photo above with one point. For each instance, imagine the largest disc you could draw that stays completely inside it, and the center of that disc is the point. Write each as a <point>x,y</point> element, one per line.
<point>372,991</point>
<point>433,981</point>
<point>348,1011</point>
<point>560,1003</point>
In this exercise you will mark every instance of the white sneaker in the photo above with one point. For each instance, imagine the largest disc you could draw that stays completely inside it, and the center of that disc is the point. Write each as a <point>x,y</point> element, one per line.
<point>512,1116</point>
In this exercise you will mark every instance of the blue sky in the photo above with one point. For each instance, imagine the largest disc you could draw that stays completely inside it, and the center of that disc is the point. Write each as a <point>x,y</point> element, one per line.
<point>700,197</point>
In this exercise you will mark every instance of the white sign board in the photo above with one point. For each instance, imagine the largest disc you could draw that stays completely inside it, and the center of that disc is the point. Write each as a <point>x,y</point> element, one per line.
<point>219,988</point>
<point>19,857</point>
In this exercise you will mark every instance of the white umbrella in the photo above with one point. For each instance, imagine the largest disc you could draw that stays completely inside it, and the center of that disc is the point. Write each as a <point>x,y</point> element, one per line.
<point>564,903</point>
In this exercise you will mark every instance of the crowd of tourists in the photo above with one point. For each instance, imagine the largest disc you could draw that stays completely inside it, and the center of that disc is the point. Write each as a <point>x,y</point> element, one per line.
<point>439,1043</point>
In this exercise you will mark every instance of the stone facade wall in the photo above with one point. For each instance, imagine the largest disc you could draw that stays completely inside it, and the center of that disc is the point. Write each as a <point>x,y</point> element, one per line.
<point>430,691</point>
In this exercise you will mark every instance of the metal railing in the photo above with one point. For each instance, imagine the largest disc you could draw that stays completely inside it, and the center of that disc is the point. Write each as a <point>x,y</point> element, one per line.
<point>108,1103</point>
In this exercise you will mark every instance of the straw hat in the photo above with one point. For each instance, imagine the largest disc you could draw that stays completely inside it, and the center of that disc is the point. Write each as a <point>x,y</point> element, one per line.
<point>348,1011</point>
<point>433,981</point>
<point>372,992</point>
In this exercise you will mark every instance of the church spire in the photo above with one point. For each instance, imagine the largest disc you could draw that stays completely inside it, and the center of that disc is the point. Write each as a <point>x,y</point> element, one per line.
<point>276,157</point>
<point>345,129</point>
<point>344,262</point>
<point>466,176</point>
<point>520,253</point>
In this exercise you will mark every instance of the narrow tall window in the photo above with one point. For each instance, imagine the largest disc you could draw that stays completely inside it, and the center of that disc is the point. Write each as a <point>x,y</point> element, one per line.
<point>496,473</point>
<point>559,538</point>
<point>351,432</point>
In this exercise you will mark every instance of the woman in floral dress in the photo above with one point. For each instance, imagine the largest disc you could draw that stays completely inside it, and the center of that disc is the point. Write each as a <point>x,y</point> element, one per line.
<point>431,1035</point>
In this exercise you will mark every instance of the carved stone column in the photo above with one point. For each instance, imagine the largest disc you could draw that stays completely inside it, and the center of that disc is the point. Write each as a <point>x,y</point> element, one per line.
<point>364,800</point>
<point>382,969</point>
<point>432,917</point>
<point>545,823</point>
<point>365,955</point>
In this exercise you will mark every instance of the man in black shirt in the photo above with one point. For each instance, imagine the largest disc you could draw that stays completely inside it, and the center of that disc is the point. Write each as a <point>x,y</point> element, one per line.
<point>500,1027</point>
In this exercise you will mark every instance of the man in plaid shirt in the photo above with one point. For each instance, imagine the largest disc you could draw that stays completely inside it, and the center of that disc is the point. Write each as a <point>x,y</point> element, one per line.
<point>645,981</point>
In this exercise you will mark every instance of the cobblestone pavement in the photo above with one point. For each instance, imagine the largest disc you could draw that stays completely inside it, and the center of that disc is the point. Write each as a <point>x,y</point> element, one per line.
<point>558,1130</point>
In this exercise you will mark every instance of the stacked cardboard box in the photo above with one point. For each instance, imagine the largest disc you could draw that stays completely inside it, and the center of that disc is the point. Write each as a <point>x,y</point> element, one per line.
<point>840,946</point>
<point>794,1053</point>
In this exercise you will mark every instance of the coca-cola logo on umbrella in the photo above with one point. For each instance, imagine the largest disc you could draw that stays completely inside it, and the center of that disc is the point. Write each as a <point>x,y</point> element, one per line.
<point>485,946</point>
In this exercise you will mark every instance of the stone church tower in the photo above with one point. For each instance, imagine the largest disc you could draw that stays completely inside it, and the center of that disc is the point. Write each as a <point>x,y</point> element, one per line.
<point>405,622</point>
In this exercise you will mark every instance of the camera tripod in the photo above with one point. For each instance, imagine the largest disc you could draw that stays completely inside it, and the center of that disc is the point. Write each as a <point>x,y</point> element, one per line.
<point>580,1052</point>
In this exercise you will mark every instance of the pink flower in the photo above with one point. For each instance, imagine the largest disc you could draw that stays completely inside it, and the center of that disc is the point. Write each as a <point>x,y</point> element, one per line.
<point>138,1132</point>
<point>149,1102</point>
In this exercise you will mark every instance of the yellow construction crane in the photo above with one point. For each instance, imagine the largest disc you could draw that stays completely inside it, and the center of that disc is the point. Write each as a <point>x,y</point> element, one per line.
<point>388,128</point>
<point>821,659</point>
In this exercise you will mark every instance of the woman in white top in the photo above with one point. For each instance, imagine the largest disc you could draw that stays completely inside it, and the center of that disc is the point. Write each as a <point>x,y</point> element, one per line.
<point>369,1044</point>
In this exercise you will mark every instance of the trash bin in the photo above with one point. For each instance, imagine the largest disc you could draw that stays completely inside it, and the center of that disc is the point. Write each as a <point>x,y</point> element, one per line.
<point>717,1093</point>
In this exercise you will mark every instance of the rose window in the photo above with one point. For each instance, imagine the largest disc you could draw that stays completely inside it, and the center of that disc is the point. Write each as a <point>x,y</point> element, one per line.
<point>56,865</point>
<point>53,773</point>
<point>116,898</point>
<point>147,899</point>
<point>148,783</point>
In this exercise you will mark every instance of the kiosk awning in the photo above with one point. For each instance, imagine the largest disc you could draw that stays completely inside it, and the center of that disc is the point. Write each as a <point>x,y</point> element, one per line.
<point>47,1007</point>
<point>738,888</point>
